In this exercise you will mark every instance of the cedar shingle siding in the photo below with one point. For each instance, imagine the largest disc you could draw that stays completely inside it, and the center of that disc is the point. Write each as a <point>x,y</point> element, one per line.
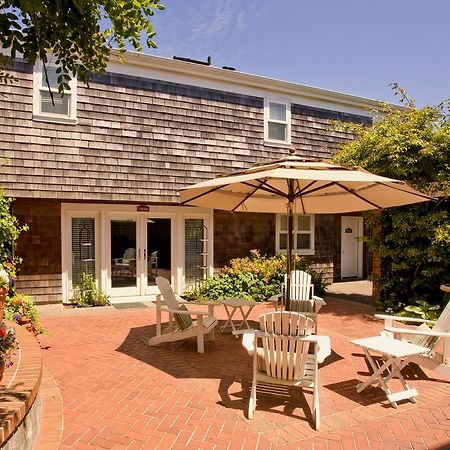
<point>140,140</point>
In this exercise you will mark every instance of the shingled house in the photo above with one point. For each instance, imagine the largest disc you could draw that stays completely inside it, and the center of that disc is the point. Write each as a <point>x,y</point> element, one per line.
<point>96,174</point>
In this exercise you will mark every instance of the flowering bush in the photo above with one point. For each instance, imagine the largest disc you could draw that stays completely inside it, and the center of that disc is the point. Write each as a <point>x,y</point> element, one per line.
<point>254,277</point>
<point>22,306</point>
<point>4,279</point>
<point>8,344</point>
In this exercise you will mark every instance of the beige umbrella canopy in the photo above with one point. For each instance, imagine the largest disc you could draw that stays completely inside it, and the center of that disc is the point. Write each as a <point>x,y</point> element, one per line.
<point>294,185</point>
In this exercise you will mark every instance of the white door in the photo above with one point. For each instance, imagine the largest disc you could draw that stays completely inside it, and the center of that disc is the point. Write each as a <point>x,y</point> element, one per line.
<point>125,258</point>
<point>140,249</point>
<point>351,248</point>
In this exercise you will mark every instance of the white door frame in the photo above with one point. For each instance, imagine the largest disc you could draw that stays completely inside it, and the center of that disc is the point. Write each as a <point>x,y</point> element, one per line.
<point>103,214</point>
<point>359,244</point>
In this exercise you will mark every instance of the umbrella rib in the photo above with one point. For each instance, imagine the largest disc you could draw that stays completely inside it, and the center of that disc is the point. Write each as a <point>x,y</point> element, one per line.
<point>249,194</point>
<point>266,187</point>
<point>202,194</point>
<point>407,192</point>
<point>303,192</point>
<point>350,191</point>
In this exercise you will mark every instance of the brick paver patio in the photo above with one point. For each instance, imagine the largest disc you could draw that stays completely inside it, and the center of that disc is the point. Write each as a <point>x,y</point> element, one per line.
<point>119,393</point>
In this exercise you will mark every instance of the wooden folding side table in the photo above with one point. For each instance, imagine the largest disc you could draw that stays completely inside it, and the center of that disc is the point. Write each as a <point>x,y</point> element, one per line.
<point>398,354</point>
<point>231,306</point>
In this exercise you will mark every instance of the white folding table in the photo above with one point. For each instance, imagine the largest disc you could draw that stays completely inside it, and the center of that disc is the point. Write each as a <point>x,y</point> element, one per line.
<point>397,355</point>
<point>231,306</point>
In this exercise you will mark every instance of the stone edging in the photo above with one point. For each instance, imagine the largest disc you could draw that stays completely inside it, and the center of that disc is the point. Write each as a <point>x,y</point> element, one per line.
<point>21,383</point>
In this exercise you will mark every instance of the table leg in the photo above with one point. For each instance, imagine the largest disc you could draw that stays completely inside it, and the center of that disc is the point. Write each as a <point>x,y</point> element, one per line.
<point>376,376</point>
<point>229,322</point>
<point>394,370</point>
<point>245,316</point>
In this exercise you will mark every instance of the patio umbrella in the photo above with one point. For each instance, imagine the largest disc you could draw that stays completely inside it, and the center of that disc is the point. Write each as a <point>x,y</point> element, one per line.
<point>296,185</point>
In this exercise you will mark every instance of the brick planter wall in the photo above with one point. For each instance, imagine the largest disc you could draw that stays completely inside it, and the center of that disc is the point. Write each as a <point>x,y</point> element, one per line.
<point>19,389</point>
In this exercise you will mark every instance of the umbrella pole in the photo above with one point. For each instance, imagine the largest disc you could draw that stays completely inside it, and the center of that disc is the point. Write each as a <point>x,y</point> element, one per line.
<point>290,237</point>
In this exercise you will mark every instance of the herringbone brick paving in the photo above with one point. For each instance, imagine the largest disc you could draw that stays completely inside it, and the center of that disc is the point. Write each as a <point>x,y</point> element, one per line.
<point>121,394</point>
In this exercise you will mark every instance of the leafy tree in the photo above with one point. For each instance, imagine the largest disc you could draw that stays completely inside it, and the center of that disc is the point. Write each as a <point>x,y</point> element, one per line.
<point>10,228</point>
<point>72,30</point>
<point>410,144</point>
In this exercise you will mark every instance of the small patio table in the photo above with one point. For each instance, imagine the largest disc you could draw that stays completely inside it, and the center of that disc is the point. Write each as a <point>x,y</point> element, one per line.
<point>231,306</point>
<point>398,354</point>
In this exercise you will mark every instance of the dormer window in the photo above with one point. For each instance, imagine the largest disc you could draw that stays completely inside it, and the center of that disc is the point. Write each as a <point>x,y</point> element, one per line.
<point>277,122</point>
<point>63,108</point>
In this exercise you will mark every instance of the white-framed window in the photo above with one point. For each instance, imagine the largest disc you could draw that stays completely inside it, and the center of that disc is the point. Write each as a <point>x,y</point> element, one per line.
<point>62,108</point>
<point>303,242</point>
<point>277,122</point>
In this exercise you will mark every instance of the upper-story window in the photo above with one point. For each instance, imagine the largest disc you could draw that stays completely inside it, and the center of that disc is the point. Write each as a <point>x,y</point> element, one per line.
<point>303,242</point>
<point>277,122</point>
<point>62,108</point>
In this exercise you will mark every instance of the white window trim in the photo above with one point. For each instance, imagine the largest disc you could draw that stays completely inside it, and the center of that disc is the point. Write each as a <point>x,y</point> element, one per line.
<point>274,142</point>
<point>49,117</point>
<point>310,251</point>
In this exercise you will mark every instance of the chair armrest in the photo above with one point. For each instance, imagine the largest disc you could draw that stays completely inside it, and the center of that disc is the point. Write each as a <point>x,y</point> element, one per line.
<point>275,298</point>
<point>319,300</point>
<point>416,331</point>
<point>182,301</point>
<point>404,319</point>
<point>181,311</point>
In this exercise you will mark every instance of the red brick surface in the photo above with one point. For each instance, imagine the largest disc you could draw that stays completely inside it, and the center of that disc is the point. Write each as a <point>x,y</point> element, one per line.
<point>119,393</point>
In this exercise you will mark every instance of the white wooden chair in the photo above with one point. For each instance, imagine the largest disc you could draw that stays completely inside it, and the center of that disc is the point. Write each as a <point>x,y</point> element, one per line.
<point>302,298</point>
<point>434,335</point>
<point>153,264</point>
<point>284,357</point>
<point>184,327</point>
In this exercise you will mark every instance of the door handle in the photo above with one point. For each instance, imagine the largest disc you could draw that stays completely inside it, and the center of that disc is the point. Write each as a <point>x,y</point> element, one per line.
<point>145,254</point>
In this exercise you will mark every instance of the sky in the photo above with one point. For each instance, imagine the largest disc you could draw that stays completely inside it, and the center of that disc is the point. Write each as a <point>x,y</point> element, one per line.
<point>357,47</point>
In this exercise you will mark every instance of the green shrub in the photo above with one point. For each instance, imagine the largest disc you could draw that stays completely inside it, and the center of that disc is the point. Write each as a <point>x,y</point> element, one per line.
<point>254,277</point>
<point>86,293</point>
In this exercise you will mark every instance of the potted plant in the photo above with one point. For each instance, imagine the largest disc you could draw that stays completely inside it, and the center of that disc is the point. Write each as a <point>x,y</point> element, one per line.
<point>8,344</point>
<point>4,289</point>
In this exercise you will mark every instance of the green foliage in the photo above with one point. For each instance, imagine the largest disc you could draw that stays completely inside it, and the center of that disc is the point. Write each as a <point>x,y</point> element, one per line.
<point>86,292</point>
<point>22,306</point>
<point>10,228</point>
<point>73,31</point>
<point>254,277</point>
<point>424,310</point>
<point>411,144</point>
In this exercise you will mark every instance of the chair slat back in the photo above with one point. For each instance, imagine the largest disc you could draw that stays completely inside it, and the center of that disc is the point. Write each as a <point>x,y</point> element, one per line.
<point>302,291</point>
<point>285,359</point>
<point>443,323</point>
<point>183,320</point>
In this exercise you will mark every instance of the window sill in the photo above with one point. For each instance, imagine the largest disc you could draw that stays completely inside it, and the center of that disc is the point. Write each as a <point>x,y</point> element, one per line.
<point>55,119</point>
<point>297,252</point>
<point>277,144</point>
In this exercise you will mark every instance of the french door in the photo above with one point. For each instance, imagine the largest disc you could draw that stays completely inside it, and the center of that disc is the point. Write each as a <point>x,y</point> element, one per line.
<point>124,249</point>
<point>140,249</point>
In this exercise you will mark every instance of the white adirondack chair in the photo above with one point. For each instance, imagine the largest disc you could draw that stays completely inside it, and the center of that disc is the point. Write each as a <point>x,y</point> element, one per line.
<point>434,335</point>
<point>284,357</point>
<point>302,296</point>
<point>184,327</point>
